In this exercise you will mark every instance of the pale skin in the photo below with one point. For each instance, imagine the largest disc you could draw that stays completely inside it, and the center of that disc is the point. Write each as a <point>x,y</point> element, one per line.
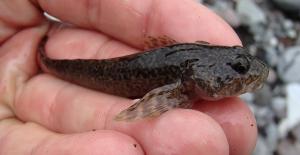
<point>41,114</point>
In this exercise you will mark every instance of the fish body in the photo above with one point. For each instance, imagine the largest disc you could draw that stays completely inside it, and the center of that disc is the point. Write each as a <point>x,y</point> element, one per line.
<point>166,77</point>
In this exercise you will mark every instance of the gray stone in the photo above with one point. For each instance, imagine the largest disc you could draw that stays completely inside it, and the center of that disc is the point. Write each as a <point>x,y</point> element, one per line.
<point>269,38</point>
<point>250,13</point>
<point>278,105</point>
<point>272,136</point>
<point>287,24</point>
<point>258,30</point>
<point>291,33</point>
<point>272,78</point>
<point>288,5</point>
<point>293,106</point>
<point>247,97</point>
<point>263,96</point>
<point>272,55</point>
<point>289,65</point>
<point>264,115</point>
<point>226,11</point>
<point>287,147</point>
<point>289,29</point>
<point>279,90</point>
<point>298,40</point>
<point>261,147</point>
<point>296,132</point>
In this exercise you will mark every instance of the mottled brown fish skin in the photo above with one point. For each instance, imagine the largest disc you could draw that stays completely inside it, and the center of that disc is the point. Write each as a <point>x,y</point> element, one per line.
<point>213,72</point>
<point>135,75</point>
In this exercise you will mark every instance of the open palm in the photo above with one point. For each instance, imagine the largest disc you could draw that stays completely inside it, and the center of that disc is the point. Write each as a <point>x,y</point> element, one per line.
<point>41,114</point>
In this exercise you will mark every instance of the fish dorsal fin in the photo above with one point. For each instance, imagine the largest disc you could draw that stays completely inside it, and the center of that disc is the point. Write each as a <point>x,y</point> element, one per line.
<point>157,42</point>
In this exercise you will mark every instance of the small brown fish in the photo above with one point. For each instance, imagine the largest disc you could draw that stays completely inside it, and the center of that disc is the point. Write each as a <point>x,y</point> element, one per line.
<point>173,75</point>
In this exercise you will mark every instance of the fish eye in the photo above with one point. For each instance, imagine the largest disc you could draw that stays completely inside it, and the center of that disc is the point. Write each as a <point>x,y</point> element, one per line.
<point>240,64</point>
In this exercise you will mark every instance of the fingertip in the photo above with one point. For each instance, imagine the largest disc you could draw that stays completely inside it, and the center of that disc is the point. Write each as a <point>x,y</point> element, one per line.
<point>185,132</point>
<point>237,121</point>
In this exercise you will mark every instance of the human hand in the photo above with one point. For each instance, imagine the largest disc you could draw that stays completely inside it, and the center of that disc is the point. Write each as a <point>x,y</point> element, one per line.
<point>41,114</point>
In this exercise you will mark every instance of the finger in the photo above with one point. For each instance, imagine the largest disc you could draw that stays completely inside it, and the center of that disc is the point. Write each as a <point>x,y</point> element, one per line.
<point>130,21</point>
<point>67,42</point>
<point>17,65</point>
<point>236,119</point>
<point>32,139</point>
<point>15,15</point>
<point>69,108</point>
<point>180,131</point>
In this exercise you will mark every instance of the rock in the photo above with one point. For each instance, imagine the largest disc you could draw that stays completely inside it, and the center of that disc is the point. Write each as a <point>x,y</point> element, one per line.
<point>272,56</point>
<point>257,31</point>
<point>261,147</point>
<point>264,115</point>
<point>289,29</point>
<point>287,147</point>
<point>288,5</point>
<point>287,24</point>
<point>263,96</point>
<point>298,40</point>
<point>226,11</point>
<point>288,65</point>
<point>247,97</point>
<point>272,78</point>
<point>278,105</point>
<point>250,13</point>
<point>296,132</point>
<point>279,90</point>
<point>272,136</point>
<point>293,106</point>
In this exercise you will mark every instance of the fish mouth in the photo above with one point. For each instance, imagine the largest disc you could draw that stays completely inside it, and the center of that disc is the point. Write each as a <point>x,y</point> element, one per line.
<point>253,86</point>
<point>258,82</point>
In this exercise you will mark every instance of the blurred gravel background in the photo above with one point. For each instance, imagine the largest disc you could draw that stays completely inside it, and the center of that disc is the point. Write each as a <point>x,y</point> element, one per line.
<point>270,29</point>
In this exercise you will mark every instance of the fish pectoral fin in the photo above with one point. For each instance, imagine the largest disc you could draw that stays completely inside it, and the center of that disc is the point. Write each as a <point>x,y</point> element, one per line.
<point>156,102</point>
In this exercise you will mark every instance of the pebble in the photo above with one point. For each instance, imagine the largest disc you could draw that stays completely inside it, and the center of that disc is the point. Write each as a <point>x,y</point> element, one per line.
<point>272,136</point>
<point>293,107</point>
<point>247,97</point>
<point>261,147</point>
<point>296,132</point>
<point>263,96</point>
<point>288,5</point>
<point>272,78</point>
<point>272,55</point>
<point>288,27</point>
<point>288,65</point>
<point>250,13</point>
<point>227,12</point>
<point>264,116</point>
<point>287,147</point>
<point>278,105</point>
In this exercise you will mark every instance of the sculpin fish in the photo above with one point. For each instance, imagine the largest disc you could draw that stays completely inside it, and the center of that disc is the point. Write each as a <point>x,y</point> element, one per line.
<point>170,75</point>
